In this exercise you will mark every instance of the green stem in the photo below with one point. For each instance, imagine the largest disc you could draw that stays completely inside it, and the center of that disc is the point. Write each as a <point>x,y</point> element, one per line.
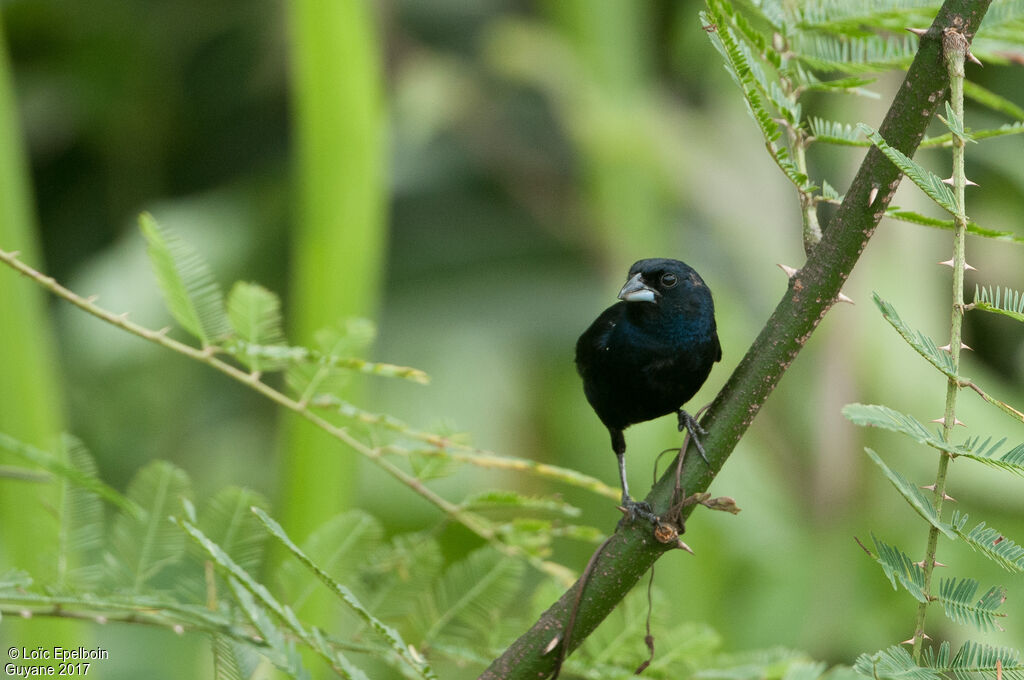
<point>808,206</point>
<point>954,46</point>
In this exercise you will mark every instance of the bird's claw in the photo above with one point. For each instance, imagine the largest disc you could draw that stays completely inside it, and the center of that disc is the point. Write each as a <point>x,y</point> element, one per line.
<point>634,510</point>
<point>689,424</point>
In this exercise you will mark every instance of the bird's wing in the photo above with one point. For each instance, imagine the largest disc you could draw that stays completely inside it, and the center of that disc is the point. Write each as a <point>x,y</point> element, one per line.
<point>593,344</point>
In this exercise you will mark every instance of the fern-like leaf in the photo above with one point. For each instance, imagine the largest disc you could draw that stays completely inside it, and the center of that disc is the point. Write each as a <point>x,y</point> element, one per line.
<point>335,545</point>
<point>900,569</point>
<point>227,519</point>
<point>254,596</point>
<point>279,649</point>
<point>893,663</point>
<point>972,227</point>
<point>912,494</point>
<point>255,315</point>
<point>990,543</point>
<point>988,98</point>
<point>921,343</point>
<point>510,502</point>
<point>225,662</point>
<point>927,181</point>
<point>142,545</point>
<point>834,132</point>
<point>957,597</point>
<point>192,294</point>
<point>55,465</point>
<point>975,658</point>
<point>467,602</point>
<point>946,140</point>
<point>749,76</point>
<point>845,18</point>
<point>327,369</point>
<point>387,633</point>
<point>15,580</point>
<point>1010,461</point>
<point>955,123</point>
<point>80,523</point>
<point>855,55</point>
<point>229,522</point>
<point>850,85</point>
<point>874,415</point>
<point>1005,301</point>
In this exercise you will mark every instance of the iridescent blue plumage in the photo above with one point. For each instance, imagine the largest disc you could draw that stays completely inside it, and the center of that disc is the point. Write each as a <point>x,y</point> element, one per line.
<point>646,356</point>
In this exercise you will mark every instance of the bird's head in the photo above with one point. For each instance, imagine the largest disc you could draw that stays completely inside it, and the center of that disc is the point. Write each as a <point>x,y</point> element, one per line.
<point>658,281</point>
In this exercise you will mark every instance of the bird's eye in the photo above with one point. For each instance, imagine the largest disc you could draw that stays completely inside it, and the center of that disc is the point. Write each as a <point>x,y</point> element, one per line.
<point>668,280</point>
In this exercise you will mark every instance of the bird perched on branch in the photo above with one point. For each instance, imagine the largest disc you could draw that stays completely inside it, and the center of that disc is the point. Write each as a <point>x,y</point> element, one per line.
<point>646,356</point>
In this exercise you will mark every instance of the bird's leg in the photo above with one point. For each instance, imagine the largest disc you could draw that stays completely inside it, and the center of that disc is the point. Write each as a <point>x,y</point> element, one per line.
<point>691,426</point>
<point>634,509</point>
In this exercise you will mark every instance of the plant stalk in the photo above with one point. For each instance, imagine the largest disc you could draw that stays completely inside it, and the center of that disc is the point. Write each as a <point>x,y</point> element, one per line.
<point>954,48</point>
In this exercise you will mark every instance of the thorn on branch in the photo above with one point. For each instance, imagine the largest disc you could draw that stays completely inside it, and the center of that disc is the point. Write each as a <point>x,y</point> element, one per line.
<point>949,263</point>
<point>790,271</point>
<point>967,182</point>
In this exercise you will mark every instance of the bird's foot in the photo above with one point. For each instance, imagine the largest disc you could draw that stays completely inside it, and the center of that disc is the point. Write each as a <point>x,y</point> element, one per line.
<point>690,425</point>
<point>634,510</point>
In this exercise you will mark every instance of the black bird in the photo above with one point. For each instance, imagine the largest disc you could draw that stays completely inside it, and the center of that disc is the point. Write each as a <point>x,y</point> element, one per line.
<point>648,355</point>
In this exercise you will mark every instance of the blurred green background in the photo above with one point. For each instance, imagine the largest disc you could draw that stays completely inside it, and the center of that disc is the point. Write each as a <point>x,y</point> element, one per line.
<point>511,160</point>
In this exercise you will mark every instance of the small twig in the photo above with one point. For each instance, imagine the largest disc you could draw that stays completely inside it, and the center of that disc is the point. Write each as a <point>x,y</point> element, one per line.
<point>563,648</point>
<point>649,637</point>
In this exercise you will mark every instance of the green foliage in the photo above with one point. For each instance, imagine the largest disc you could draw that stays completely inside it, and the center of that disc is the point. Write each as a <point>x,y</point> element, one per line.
<point>975,658</point>
<point>855,55</point>
<point>465,604</point>
<point>912,494</point>
<point>921,343</point>
<point>1005,301</point>
<point>192,294</point>
<point>929,182</point>
<point>225,662</point>
<point>143,544</point>
<point>874,415</point>
<point>991,99</point>
<point>957,599</point>
<point>749,74</point>
<point>972,227</point>
<point>991,543</point>
<point>972,658</point>
<point>255,315</point>
<point>834,132</point>
<point>55,465</point>
<point>79,513</point>
<point>894,662</point>
<point>985,452</point>
<point>389,635</point>
<point>900,569</point>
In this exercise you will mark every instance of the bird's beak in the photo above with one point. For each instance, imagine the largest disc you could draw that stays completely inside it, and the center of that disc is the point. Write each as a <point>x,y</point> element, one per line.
<point>636,290</point>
